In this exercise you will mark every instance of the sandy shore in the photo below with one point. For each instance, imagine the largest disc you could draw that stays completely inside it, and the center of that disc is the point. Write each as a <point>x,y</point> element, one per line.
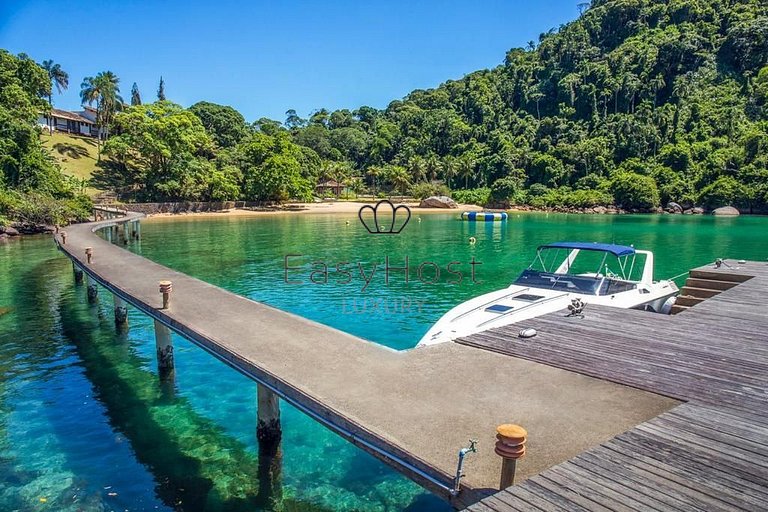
<point>311,208</point>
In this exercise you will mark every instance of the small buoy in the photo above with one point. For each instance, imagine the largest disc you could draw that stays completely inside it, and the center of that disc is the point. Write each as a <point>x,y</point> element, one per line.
<point>528,333</point>
<point>472,240</point>
<point>347,223</point>
<point>419,219</point>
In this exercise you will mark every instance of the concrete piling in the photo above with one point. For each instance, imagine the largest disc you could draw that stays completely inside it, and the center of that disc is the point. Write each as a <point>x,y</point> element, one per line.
<point>92,290</point>
<point>121,311</point>
<point>510,445</point>
<point>165,364</point>
<point>268,429</point>
<point>78,273</point>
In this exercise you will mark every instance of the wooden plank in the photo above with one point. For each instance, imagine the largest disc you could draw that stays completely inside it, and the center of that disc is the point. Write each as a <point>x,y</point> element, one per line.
<point>519,496</point>
<point>603,494</point>
<point>713,486</point>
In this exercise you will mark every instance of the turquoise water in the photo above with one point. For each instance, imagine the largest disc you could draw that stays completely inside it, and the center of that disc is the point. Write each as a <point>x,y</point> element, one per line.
<point>86,425</point>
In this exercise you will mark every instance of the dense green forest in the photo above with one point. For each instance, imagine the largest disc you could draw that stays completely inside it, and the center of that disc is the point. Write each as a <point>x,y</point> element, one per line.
<point>635,104</point>
<point>33,191</point>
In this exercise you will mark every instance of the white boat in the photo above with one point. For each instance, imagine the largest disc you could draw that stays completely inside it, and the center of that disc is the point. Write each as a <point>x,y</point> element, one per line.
<point>562,275</point>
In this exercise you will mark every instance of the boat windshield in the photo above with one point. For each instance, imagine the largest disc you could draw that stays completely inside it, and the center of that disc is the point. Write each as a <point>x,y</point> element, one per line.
<point>570,283</point>
<point>580,268</point>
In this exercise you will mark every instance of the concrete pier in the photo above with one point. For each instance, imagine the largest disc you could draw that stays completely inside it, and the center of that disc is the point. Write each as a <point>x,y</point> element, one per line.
<point>268,428</point>
<point>164,345</point>
<point>390,404</point>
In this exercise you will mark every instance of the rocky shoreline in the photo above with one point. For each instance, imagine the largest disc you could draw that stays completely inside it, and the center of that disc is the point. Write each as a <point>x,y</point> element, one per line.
<point>17,229</point>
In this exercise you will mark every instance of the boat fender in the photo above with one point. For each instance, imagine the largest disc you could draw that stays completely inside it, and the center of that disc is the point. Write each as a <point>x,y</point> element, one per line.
<point>666,308</point>
<point>528,333</point>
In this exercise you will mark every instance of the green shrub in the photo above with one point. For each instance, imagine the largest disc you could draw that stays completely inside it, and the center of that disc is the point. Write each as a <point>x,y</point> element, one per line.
<point>564,197</point>
<point>537,190</point>
<point>725,191</point>
<point>506,191</point>
<point>634,191</point>
<point>478,196</point>
<point>424,190</point>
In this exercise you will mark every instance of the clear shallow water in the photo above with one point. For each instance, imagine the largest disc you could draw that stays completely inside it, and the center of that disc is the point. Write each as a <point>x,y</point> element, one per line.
<point>85,424</point>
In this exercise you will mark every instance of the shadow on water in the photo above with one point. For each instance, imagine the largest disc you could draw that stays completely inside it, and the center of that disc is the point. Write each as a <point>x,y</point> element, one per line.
<point>195,464</point>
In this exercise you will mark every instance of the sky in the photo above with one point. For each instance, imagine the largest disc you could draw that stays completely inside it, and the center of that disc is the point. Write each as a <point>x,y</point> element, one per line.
<point>265,57</point>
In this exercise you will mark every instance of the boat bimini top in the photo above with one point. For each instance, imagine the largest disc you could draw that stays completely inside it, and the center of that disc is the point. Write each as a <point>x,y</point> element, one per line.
<point>585,268</point>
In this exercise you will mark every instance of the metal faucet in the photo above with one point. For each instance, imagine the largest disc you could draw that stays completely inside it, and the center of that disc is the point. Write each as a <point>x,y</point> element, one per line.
<point>460,466</point>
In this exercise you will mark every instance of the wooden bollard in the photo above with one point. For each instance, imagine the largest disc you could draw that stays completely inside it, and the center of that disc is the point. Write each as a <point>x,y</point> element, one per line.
<point>510,445</point>
<point>63,238</point>
<point>165,288</point>
<point>89,255</point>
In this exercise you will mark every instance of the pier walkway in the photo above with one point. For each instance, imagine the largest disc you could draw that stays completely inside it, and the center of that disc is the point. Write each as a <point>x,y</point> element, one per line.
<point>413,409</point>
<point>709,453</point>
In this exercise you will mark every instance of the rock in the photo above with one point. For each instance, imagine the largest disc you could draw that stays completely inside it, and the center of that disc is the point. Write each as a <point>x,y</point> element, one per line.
<point>674,207</point>
<point>726,211</point>
<point>11,231</point>
<point>600,209</point>
<point>438,202</point>
<point>697,210</point>
<point>658,209</point>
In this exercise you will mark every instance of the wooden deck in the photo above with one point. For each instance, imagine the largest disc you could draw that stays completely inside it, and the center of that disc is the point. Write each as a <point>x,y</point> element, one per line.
<point>710,453</point>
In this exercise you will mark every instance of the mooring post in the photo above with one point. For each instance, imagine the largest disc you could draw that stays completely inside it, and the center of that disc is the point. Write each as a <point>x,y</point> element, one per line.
<point>268,429</point>
<point>78,273</point>
<point>510,445</point>
<point>63,238</point>
<point>166,287</point>
<point>89,255</point>
<point>164,346</point>
<point>121,311</point>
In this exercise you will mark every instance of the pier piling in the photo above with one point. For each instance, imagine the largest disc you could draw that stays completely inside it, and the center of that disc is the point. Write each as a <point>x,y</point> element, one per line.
<point>510,445</point>
<point>92,290</point>
<point>78,274</point>
<point>165,364</point>
<point>121,311</point>
<point>268,429</point>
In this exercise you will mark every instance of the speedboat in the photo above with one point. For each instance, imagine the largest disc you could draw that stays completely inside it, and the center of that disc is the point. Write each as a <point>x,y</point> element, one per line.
<point>562,275</point>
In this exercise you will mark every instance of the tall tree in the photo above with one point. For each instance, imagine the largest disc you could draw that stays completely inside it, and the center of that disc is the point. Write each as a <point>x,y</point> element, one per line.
<point>135,95</point>
<point>104,91</point>
<point>59,78</point>
<point>161,90</point>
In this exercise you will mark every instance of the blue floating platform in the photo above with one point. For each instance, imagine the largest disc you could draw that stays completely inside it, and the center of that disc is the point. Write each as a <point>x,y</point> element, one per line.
<point>484,216</point>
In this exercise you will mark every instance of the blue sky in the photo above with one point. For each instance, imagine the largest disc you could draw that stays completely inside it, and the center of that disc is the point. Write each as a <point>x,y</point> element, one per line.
<point>264,57</point>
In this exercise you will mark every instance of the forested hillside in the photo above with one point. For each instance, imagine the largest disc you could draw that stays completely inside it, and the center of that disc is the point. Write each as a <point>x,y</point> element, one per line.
<point>646,101</point>
<point>635,104</point>
<point>33,191</point>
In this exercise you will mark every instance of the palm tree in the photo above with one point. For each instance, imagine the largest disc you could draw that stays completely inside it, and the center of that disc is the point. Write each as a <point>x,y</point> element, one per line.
<point>449,170</point>
<point>416,168</point>
<point>466,168</point>
<point>59,78</point>
<point>400,180</point>
<point>103,90</point>
<point>374,172</point>
<point>432,166</point>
